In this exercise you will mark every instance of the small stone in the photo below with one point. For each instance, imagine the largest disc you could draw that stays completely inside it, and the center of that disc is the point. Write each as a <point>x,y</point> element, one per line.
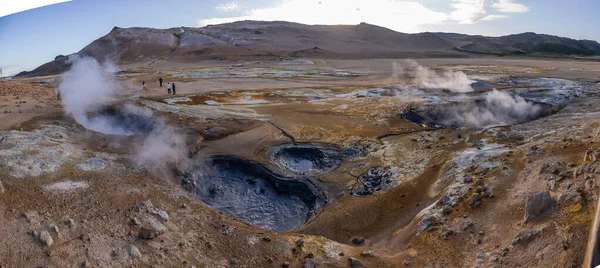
<point>134,221</point>
<point>285,265</point>
<point>161,214</point>
<point>70,222</point>
<point>446,232</point>
<point>146,205</point>
<point>481,233</point>
<point>465,224</point>
<point>406,263</point>
<point>526,236</point>
<point>300,242</point>
<point>354,262</point>
<point>267,238</point>
<point>151,228</point>
<point>55,229</point>
<point>308,263</point>
<point>475,200</point>
<point>44,237</point>
<point>358,240</point>
<point>494,259</point>
<point>183,205</point>
<point>370,253</point>
<point>134,252</point>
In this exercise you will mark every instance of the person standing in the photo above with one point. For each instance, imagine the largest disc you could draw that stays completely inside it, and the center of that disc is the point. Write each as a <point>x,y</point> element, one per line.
<point>144,85</point>
<point>169,88</point>
<point>58,94</point>
<point>160,81</point>
<point>173,85</point>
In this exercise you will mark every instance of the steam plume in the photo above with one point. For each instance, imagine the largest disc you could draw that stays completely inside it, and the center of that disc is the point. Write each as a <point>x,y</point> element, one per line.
<point>427,78</point>
<point>88,88</point>
<point>498,108</point>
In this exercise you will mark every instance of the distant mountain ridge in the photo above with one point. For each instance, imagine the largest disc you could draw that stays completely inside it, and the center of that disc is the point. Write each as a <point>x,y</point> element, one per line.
<point>275,39</point>
<point>525,43</point>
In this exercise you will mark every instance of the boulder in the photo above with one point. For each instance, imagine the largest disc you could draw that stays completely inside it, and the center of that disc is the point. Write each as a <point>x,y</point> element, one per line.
<point>538,205</point>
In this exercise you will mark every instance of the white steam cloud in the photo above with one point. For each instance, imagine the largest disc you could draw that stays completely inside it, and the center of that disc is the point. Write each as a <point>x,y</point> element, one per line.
<point>88,90</point>
<point>428,78</point>
<point>498,108</point>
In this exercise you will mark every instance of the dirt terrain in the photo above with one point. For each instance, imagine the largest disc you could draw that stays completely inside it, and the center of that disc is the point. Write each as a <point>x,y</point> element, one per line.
<point>304,163</point>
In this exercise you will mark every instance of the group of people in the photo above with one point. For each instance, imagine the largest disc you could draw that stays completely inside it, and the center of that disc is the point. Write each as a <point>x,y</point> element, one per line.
<point>170,86</point>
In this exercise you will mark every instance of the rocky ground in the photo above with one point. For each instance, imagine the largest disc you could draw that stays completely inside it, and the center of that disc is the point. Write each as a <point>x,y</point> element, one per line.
<point>390,186</point>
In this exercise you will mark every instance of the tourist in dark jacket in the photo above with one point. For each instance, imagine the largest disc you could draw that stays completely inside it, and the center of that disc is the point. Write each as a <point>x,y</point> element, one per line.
<point>160,81</point>
<point>173,87</point>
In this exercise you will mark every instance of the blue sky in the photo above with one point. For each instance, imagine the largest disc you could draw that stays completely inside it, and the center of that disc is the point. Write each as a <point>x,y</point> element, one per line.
<point>36,36</point>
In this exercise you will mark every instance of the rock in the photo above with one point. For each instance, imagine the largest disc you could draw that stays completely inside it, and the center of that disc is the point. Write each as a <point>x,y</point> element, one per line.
<point>538,205</point>
<point>475,200</point>
<point>70,222</point>
<point>446,232</point>
<point>525,236</point>
<point>55,230</point>
<point>160,213</point>
<point>425,223</point>
<point>285,265</point>
<point>494,259</point>
<point>134,221</point>
<point>134,252</point>
<point>183,205</point>
<point>465,224</point>
<point>468,179</point>
<point>358,240</point>
<point>554,168</point>
<point>370,253</point>
<point>31,216</point>
<point>267,238</point>
<point>591,155</point>
<point>151,228</point>
<point>406,263</point>
<point>44,237</point>
<point>308,263</point>
<point>146,205</point>
<point>354,262</point>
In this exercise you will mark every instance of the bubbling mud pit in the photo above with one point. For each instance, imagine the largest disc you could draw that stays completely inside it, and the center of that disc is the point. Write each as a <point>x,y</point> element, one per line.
<point>252,193</point>
<point>305,159</point>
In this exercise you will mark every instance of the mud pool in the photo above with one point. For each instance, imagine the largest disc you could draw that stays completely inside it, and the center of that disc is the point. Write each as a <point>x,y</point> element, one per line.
<point>305,159</point>
<point>253,194</point>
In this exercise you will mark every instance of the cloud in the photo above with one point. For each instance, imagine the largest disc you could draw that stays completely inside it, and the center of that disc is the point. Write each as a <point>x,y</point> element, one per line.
<point>402,16</point>
<point>231,6</point>
<point>509,6</point>
<point>468,11</point>
<point>397,15</point>
<point>494,17</point>
<point>10,7</point>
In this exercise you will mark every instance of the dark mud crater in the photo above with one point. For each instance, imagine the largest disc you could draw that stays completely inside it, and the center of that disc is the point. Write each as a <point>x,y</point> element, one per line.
<point>122,120</point>
<point>250,192</point>
<point>478,113</point>
<point>305,158</point>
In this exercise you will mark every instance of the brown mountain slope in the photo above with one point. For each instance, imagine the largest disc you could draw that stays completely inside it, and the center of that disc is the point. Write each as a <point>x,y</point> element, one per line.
<point>249,39</point>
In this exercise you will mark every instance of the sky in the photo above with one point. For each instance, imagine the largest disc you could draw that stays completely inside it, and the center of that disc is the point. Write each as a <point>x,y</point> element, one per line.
<point>29,38</point>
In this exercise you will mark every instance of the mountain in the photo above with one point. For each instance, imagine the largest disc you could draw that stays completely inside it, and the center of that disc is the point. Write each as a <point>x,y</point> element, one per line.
<point>250,40</point>
<point>525,43</point>
<point>246,40</point>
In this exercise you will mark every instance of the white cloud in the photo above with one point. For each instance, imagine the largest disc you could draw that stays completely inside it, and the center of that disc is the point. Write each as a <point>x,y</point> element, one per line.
<point>468,11</point>
<point>10,7</point>
<point>228,7</point>
<point>402,16</point>
<point>397,15</point>
<point>494,17</point>
<point>509,6</point>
